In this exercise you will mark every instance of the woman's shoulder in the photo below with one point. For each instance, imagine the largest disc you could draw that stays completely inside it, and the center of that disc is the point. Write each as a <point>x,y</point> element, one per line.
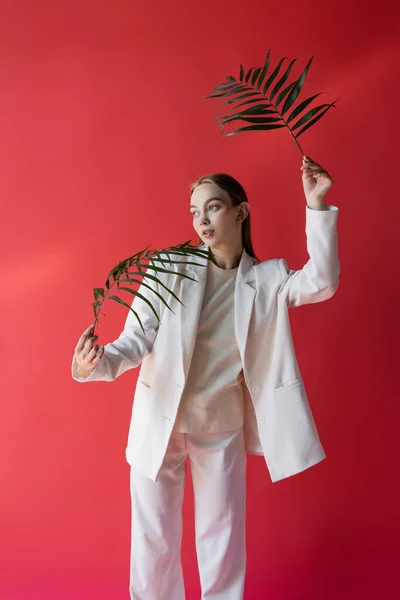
<point>271,267</point>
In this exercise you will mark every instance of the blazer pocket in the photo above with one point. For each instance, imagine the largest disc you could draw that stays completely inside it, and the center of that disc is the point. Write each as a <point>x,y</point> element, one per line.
<point>290,385</point>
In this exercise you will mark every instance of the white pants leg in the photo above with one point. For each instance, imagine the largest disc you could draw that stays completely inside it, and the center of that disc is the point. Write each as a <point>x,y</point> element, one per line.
<point>156,528</point>
<point>218,467</point>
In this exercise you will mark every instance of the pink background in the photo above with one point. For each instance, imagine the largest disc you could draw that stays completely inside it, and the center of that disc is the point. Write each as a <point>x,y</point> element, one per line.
<point>102,130</point>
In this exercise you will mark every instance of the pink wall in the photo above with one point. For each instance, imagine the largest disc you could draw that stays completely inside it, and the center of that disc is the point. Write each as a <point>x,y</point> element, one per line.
<point>102,129</point>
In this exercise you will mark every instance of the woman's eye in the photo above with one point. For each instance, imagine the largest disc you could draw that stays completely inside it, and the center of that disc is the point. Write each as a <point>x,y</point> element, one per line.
<point>195,212</point>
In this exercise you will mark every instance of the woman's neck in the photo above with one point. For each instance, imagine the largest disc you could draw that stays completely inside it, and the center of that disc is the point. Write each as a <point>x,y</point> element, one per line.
<point>227,258</point>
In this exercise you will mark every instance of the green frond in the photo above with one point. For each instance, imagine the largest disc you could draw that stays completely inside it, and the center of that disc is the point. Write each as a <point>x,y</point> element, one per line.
<point>117,299</point>
<point>254,128</point>
<point>315,119</point>
<point>272,76</point>
<point>308,116</point>
<point>300,107</point>
<point>264,71</point>
<point>135,265</point>
<point>255,75</point>
<point>252,89</point>
<point>296,88</point>
<point>282,80</point>
<point>152,289</point>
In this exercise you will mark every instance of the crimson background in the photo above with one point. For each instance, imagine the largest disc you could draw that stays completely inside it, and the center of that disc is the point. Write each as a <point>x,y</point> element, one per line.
<point>102,129</point>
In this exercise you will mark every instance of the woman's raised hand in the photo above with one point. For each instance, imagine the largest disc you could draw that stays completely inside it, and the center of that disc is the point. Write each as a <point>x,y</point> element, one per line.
<point>88,355</point>
<point>316,182</point>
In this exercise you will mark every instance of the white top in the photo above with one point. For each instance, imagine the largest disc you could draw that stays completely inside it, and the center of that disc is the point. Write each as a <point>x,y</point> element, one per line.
<point>212,399</point>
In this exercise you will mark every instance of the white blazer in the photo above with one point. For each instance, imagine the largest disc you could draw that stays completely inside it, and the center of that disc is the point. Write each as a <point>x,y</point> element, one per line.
<point>278,422</point>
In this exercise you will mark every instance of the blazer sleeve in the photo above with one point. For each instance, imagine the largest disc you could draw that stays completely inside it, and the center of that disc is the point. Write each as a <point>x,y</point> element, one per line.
<point>318,280</point>
<point>128,351</point>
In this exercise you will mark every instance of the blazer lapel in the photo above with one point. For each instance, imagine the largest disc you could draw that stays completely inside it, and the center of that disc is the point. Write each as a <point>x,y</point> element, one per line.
<point>192,294</point>
<point>245,293</point>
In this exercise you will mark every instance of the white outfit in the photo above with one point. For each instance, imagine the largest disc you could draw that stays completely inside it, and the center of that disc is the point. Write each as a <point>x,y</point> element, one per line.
<point>277,419</point>
<point>212,400</point>
<point>211,407</point>
<point>278,422</point>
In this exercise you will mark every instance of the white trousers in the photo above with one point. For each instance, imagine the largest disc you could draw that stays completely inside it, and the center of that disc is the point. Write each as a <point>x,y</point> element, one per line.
<point>218,467</point>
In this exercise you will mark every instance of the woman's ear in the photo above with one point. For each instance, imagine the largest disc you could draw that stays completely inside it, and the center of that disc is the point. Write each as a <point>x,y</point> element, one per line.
<point>244,209</point>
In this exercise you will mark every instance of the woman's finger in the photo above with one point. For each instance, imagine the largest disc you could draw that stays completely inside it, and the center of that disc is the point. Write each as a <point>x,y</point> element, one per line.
<point>323,175</point>
<point>91,356</point>
<point>311,166</point>
<point>82,340</point>
<point>98,356</point>
<point>88,345</point>
<point>311,163</point>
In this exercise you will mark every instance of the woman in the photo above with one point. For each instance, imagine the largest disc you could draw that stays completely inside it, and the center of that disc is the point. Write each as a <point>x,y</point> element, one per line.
<point>219,379</point>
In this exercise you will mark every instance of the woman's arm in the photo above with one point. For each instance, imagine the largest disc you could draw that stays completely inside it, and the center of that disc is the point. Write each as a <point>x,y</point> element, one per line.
<point>319,278</point>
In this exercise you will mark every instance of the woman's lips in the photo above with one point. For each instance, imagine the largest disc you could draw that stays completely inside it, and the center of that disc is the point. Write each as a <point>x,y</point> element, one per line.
<point>208,235</point>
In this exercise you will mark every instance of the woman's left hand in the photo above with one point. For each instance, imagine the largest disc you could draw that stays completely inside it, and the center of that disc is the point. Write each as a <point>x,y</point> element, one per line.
<point>316,182</point>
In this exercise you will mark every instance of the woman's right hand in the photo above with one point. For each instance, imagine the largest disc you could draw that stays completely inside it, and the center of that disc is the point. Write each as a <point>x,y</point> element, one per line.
<point>87,355</point>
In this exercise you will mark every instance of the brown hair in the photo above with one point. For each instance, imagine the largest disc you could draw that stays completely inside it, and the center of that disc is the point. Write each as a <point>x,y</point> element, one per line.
<point>237,195</point>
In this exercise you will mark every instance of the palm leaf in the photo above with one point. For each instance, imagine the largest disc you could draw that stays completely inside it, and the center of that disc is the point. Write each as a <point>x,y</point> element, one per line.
<point>149,260</point>
<point>259,93</point>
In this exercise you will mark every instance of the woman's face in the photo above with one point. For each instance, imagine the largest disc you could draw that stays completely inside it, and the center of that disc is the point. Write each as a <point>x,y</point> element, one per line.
<point>212,210</point>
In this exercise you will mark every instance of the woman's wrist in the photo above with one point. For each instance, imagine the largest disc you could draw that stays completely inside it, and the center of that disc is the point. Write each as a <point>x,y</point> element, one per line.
<point>317,205</point>
<point>79,371</point>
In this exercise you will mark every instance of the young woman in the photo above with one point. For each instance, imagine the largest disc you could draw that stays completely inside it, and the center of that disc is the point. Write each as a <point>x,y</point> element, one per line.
<point>218,380</point>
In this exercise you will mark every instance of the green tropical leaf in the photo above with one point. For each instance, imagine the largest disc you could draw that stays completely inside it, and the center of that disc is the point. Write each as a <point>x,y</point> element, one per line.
<point>315,120</point>
<point>255,75</point>
<point>152,289</point>
<point>264,71</point>
<point>98,292</point>
<point>282,80</point>
<point>308,116</point>
<point>252,101</point>
<point>300,107</point>
<point>235,88</point>
<point>139,295</point>
<point>296,88</point>
<point>223,87</point>
<point>247,95</point>
<point>120,301</point>
<point>260,120</point>
<point>161,270</point>
<point>248,74</point>
<point>252,90</point>
<point>135,265</point>
<point>254,128</point>
<point>272,76</point>
<point>284,92</point>
<point>253,110</point>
